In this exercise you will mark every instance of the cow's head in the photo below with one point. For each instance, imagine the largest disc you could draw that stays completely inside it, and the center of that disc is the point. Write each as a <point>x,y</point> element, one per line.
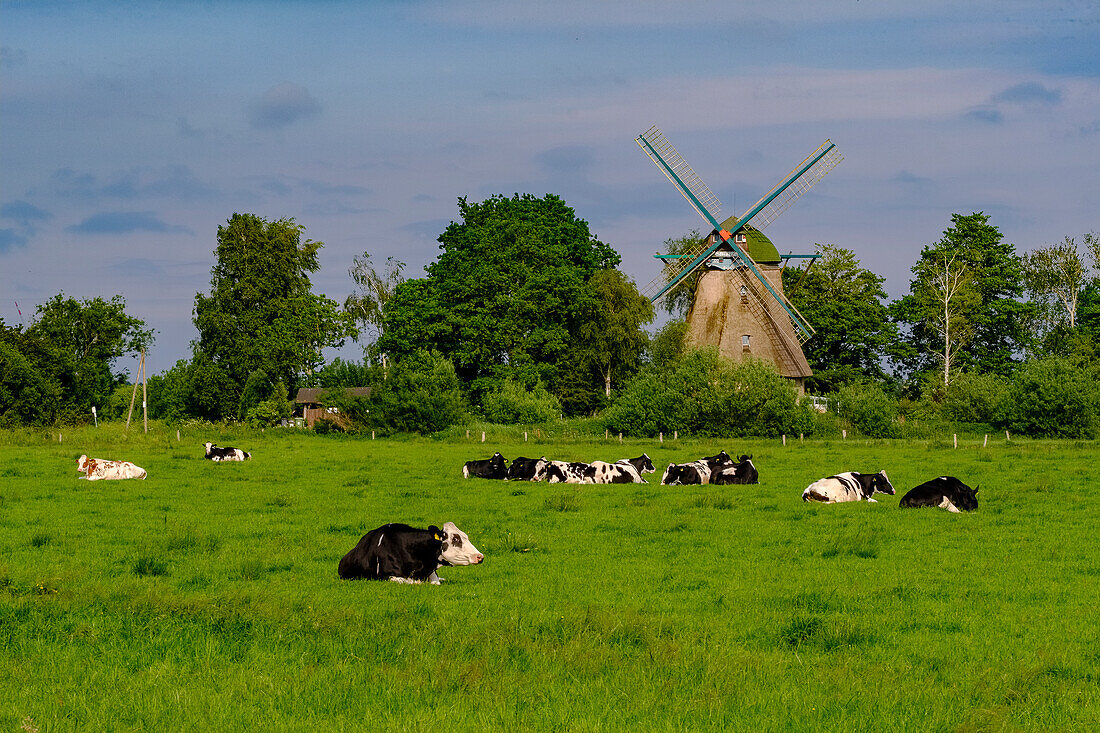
<point>645,464</point>
<point>208,446</point>
<point>882,484</point>
<point>82,463</point>
<point>965,498</point>
<point>744,458</point>
<point>457,548</point>
<point>497,461</point>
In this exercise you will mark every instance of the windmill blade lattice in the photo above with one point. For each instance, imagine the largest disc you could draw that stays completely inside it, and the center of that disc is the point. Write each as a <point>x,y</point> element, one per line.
<point>677,170</point>
<point>804,176</point>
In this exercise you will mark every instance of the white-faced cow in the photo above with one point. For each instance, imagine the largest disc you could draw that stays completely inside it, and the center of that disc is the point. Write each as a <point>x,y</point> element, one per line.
<point>495,467</point>
<point>696,472</point>
<point>97,469</point>
<point>742,472</point>
<point>625,471</point>
<point>214,453</point>
<point>945,492</point>
<point>527,469</point>
<point>560,472</point>
<point>404,554</point>
<point>849,486</point>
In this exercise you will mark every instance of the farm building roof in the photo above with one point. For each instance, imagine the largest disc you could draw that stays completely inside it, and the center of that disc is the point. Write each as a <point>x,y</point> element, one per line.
<point>312,395</point>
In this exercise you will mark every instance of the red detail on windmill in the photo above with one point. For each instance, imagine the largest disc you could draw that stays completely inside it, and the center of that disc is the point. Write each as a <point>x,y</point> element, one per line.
<point>724,235</point>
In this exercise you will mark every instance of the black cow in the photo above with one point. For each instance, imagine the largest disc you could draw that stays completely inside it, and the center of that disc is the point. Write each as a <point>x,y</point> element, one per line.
<point>945,492</point>
<point>527,469</point>
<point>495,467</point>
<point>743,472</point>
<point>404,554</point>
<point>216,454</point>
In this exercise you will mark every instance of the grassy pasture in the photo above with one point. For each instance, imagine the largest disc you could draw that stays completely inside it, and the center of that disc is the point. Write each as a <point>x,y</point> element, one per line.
<point>206,596</point>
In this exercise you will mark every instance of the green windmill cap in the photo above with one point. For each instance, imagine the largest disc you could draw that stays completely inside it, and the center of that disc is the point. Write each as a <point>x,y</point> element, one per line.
<point>758,246</point>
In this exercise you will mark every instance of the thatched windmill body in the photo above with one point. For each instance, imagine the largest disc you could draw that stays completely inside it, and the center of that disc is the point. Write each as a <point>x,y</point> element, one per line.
<point>739,303</point>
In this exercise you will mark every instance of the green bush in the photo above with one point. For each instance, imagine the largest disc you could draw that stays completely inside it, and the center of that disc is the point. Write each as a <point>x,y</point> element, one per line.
<point>1053,398</point>
<point>973,398</point>
<point>511,404</point>
<point>869,410</point>
<point>704,394</point>
<point>421,395</point>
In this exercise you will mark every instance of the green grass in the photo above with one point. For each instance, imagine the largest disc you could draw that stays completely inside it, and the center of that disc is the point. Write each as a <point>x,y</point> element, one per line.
<point>206,596</point>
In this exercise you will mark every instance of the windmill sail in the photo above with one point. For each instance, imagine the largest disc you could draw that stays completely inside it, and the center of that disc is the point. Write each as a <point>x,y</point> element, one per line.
<point>768,208</point>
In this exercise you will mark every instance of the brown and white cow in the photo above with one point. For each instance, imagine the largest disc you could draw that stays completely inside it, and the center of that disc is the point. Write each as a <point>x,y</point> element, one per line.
<point>96,469</point>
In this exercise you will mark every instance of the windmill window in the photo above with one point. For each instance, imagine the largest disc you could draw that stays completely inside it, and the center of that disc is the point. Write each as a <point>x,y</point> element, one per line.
<point>740,238</point>
<point>745,299</point>
<point>745,343</point>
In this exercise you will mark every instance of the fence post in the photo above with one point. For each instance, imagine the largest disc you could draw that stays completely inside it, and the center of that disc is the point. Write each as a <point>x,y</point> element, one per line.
<point>661,437</point>
<point>606,434</point>
<point>177,436</point>
<point>467,433</point>
<point>986,441</point>
<point>800,437</point>
<point>524,436</point>
<point>372,435</point>
<point>620,438</point>
<point>955,439</point>
<point>675,434</point>
<point>1006,436</point>
<point>844,434</point>
<point>784,440</point>
<point>482,436</point>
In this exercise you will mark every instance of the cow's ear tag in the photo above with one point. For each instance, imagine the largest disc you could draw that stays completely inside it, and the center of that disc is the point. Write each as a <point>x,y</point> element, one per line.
<point>436,535</point>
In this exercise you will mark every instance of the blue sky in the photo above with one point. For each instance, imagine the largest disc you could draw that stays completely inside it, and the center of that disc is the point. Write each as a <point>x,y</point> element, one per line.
<point>130,131</point>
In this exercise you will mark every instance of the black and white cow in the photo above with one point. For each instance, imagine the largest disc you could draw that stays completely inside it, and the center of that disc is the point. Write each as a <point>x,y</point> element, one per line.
<point>945,492</point>
<point>696,472</point>
<point>495,467</point>
<point>214,453</point>
<point>404,554</point>
<point>849,486</point>
<point>743,472</point>
<point>625,471</point>
<point>560,472</point>
<point>527,469</point>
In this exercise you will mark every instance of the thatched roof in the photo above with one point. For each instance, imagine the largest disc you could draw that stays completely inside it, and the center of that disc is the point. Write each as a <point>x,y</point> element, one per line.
<point>312,395</point>
<point>758,246</point>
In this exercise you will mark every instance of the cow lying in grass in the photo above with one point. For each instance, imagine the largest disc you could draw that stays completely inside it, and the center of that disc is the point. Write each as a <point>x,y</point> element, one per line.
<point>742,472</point>
<point>625,471</point>
<point>494,468</point>
<point>696,472</point>
<point>216,454</point>
<point>945,492</point>
<point>849,486</point>
<point>404,554</point>
<point>527,469</point>
<point>561,472</point>
<point>96,469</point>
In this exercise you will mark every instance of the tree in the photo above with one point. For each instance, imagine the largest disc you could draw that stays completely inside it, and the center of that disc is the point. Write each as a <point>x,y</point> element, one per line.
<point>1062,291</point>
<point>846,305</point>
<point>947,299</point>
<point>998,318</point>
<point>75,343</point>
<point>261,313</point>
<point>375,289</point>
<point>613,339</point>
<point>506,296</point>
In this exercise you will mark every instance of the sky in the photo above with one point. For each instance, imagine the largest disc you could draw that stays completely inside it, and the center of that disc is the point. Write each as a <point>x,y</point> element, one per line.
<point>130,131</point>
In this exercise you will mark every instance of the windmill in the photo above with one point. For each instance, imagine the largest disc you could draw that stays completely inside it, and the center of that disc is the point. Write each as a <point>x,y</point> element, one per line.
<point>739,303</point>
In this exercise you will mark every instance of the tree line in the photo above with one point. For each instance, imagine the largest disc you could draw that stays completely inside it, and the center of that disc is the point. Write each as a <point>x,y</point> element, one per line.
<point>524,317</point>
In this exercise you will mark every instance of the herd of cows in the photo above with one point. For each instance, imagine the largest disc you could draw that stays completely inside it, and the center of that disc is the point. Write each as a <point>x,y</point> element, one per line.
<point>945,492</point>
<point>406,554</point>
